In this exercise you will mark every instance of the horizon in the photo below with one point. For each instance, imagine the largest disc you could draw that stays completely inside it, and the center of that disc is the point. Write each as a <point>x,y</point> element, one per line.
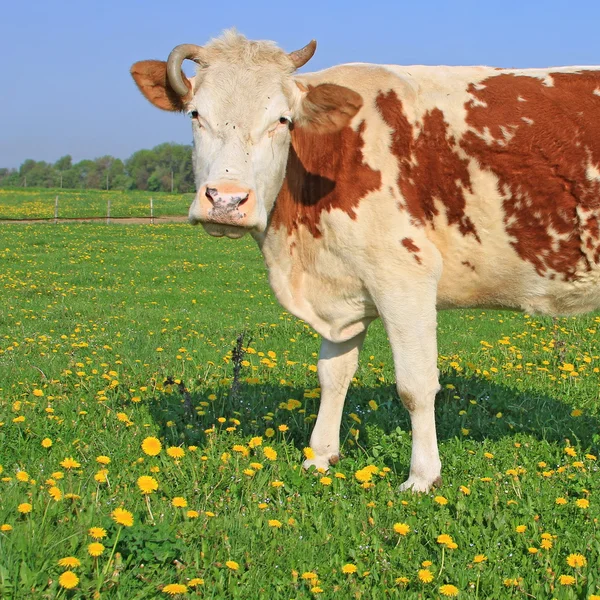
<point>85,104</point>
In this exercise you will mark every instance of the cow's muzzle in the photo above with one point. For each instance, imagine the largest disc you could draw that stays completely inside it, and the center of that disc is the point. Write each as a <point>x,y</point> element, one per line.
<point>224,209</point>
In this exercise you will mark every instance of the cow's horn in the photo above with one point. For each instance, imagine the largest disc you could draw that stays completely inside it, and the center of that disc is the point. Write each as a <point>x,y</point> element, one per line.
<point>176,58</point>
<point>302,56</point>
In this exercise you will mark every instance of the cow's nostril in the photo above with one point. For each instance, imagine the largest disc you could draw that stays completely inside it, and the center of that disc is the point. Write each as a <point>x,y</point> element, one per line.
<point>211,194</point>
<point>244,199</point>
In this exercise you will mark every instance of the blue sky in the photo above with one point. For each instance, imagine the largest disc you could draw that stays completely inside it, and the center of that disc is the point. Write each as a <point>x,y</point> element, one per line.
<point>66,88</point>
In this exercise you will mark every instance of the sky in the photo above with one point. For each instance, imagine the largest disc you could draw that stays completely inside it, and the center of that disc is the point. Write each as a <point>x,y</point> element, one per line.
<point>65,86</point>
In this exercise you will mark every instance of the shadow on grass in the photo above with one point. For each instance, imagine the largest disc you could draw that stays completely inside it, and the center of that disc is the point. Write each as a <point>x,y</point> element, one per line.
<point>488,410</point>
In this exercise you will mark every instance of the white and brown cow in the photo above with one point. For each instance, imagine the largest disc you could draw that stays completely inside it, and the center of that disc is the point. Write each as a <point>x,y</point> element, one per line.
<point>390,191</point>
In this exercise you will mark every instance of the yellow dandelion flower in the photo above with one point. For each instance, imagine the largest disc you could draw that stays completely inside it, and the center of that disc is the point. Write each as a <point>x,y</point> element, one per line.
<point>309,575</point>
<point>401,528</point>
<point>449,590</point>
<point>70,463</point>
<point>196,582</point>
<point>402,580</point>
<point>231,564</point>
<point>546,544</point>
<point>270,432</point>
<point>147,484</point>
<point>55,493</point>
<point>38,393</point>
<point>425,575</point>
<point>46,443</point>
<point>440,500</point>
<point>255,441</point>
<point>576,560</point>
<point>97,533</point>
<point>5,527</point>
<point>426,563</point>
<point>275,523</point>
<point>316,590</point>
<point>465,490</point>
<point>561,501</point>
<point>101,475</point>
<point>192,514</point>
<point>70,562</point>
<point>521,528</point>
<point>95,549</point>
<point>325,481</point>
<point>373,405</point>
<point>349,569</point>
<point>103,460</point>
<point>22,476</point>
<point>277,484</point>
<point>269,453</point>
<point>566,580</point>
<point>570,451</point>
<point>444,539</point>
<point>151,446</point>
<point>175,588</point>
<point>582,503</point>
<point>283,428</point>
<point>179,502</point>
<point>122,517</point>
<point>479,558</point>
<point>68,580</point>
<point>24,508</point>
<point>175,452</point>
<point>532,550</point>
<point>309,453</point>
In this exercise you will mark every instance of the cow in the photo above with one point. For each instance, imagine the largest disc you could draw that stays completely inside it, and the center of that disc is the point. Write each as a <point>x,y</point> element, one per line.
<point>393,192</point>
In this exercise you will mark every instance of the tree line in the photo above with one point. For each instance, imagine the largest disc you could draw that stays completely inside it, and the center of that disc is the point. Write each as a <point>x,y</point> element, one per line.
<point>167,168</point>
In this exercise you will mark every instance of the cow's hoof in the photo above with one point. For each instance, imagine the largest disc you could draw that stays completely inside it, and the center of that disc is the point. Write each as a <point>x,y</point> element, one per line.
<point>419,484</point>
<point>321,463</point>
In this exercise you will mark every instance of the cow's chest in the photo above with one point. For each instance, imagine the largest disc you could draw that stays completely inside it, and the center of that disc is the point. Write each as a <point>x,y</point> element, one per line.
<point>318,286</point>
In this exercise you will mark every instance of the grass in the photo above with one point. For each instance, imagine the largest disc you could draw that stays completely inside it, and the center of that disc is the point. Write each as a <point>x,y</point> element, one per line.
<point>38,203</point>
<point>111,335</point>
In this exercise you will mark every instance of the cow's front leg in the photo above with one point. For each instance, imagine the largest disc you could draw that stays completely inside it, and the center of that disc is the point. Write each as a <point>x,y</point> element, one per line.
<point>410,321</point>
<point>337,365</point>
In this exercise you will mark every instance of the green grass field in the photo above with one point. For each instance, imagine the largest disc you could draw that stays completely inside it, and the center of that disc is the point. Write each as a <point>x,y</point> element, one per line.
<point>114,337</point>
<point>38,203</point>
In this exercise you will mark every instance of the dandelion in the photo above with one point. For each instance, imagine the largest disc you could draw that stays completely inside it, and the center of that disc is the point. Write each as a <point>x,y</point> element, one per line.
<point>192,514</point>
<point>402,580</point>
<point>309,575</point>
<point>582,503</point>
<point>316,590</point>
<point>425,575</point>
<point>269,453</point>
<point>576,560</point>
<point>325,481</point>
<point>566,580</point>
<point>179,502</point>
<point>38,393</point>
<point>561,501</point>
<point>22,476</point>
<point>24,508</point>
<point>449,590</point>
<point>5,527</point>
<point>283,428</point>
<point>70,562</point>
<point>147,484</point>
<point>68,580</point>
<point>309,453</point>
<point>277,484</point>
<point>151,446</point>
<point>521,528</point>
<point>195,582</point>
<point>97,533</point>
<point>373,405</point>
<point>349,568</point>
<point>440,500</point>
<point>175,452</point>
<point>46,443</point>
<point>275,523</point>
<point>546,544</point>
<point>479,558</point>
<point>444,539</point>
<point>465,490</point>
<point>401,528</point>
<point>55,493</point>
<point>95,549</point>
<point>70,463</point>
<point>175,588</point>
<point>231,564</point>
<point>103,460</point>
<point>255,441</point>
<point>122,517</point>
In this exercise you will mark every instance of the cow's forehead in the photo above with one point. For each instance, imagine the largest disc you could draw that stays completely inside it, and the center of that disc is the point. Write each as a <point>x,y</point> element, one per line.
<point>227,90</point>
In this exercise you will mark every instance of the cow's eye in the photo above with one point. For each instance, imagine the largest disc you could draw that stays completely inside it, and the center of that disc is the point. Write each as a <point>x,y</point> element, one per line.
<point>194,114</point>
<point>285,120</point>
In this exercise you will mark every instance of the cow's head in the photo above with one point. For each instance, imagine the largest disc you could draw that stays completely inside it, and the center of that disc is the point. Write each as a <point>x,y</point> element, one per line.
<point>243,103</point>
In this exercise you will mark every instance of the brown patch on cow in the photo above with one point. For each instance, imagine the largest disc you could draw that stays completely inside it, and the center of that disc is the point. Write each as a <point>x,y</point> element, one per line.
<point>467,264</point>
<point>328,107</point>
<point>410,245</point>
<point>430,168</point>
<point>324,171</point>
<point>539,140</point>
<point>151,78</point>
<point>334,460</point>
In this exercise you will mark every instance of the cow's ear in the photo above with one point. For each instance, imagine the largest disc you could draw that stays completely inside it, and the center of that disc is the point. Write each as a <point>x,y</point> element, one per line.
<point>151,78</point>
<point>328,107</point>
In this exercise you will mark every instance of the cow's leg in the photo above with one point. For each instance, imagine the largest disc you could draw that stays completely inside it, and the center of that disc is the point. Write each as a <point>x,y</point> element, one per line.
<point>337,365</point>
<point>410,321</point>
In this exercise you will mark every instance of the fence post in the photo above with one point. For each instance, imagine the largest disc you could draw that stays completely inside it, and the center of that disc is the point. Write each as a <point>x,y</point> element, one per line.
<point>108,212</point>
<point>56,210</point>
<point>151,211</point>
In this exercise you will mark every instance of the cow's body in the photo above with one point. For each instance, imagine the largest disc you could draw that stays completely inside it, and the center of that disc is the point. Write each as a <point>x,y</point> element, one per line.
<point>448,187</point>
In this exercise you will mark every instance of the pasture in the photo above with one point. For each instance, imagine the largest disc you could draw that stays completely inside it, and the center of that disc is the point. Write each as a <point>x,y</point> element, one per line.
<point>121,389</point>
<point>38,203</point>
